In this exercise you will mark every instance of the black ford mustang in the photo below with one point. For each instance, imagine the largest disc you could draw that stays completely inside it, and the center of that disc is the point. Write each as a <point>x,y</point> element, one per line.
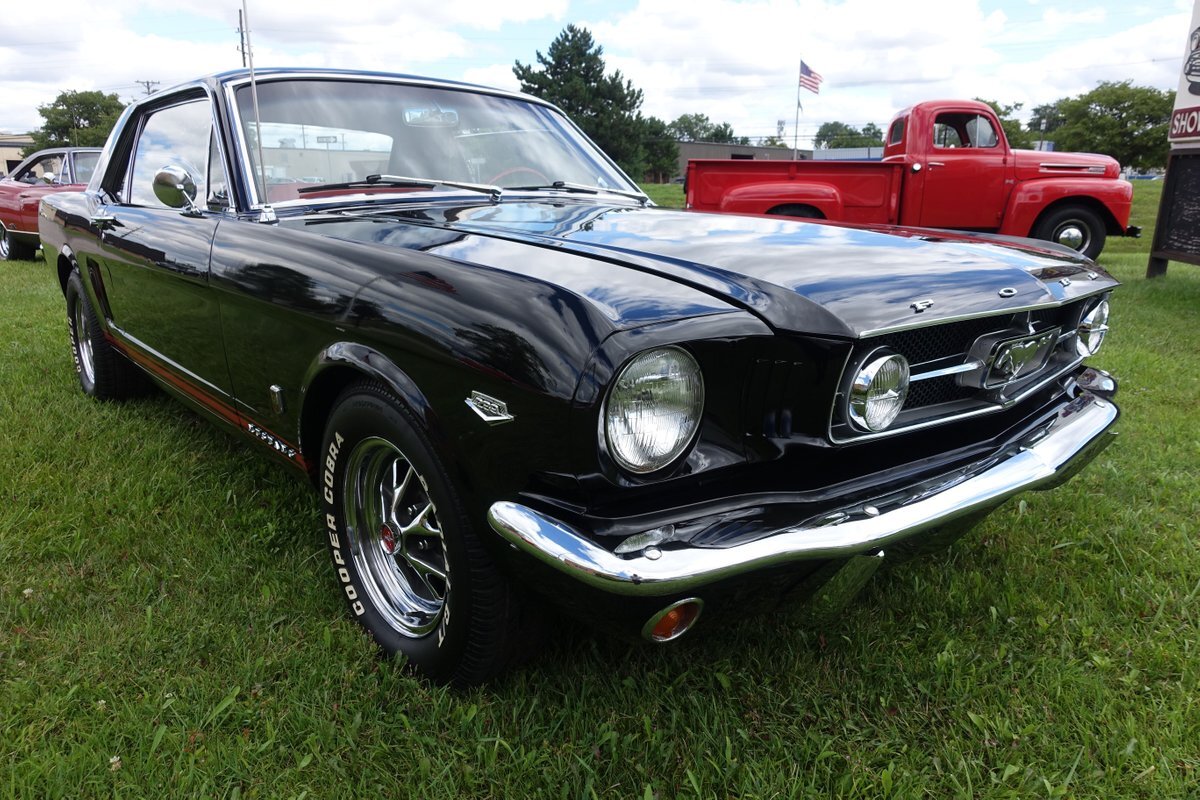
<point>510,377</point>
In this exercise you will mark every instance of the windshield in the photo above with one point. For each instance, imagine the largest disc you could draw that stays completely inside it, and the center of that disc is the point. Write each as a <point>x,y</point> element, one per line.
<point>318,131</point>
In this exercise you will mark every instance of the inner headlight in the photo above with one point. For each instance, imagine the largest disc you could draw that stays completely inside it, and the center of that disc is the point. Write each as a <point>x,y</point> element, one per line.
<point>879,391</point>
<point>653,409</point>
<point>1091,331</point>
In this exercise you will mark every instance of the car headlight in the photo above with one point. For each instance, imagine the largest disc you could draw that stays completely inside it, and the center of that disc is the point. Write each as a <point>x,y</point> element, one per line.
<point>878,391</point>
<point>1092,328</point>
<point>653,409</point>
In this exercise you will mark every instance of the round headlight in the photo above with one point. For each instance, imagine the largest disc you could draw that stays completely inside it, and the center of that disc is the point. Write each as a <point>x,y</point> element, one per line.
<point>878,392</point>
<point>653,409</point>
<point>1091,331</point>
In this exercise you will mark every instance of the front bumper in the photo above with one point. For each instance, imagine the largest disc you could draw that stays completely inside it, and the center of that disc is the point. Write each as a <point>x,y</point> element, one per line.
<point>1040,460</point>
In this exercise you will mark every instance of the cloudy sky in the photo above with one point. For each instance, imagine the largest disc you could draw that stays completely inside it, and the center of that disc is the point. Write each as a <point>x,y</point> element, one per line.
<point>734,60</point>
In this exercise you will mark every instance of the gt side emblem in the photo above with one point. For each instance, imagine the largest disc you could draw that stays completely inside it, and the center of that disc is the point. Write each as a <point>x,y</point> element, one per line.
<point>921,305</point>
<point>489,409</point>
<point>1007,291</point>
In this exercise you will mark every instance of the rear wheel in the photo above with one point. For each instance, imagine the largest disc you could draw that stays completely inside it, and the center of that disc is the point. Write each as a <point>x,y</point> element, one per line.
<point>1076,227</point>
<point>12,249</point>
<point>103,372</point>
<point>405,555</point>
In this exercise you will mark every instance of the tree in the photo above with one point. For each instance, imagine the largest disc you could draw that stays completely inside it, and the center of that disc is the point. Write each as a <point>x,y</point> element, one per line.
<point>1049,113</point>
<point>872,135</point>
<point>1124,121</point>
<point>837,134</point>
<point>1017,136</point>
<point>662,153</point>
<point>572,76</point>
<point>699,128</point>
<point>78,119</point>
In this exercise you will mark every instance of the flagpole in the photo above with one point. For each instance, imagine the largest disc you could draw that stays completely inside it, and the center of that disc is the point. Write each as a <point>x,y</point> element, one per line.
<point>796,130</point>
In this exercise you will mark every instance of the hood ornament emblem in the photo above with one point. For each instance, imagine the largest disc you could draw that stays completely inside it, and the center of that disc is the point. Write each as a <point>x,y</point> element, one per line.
<point>1007,292</point>
<point>921,305</point>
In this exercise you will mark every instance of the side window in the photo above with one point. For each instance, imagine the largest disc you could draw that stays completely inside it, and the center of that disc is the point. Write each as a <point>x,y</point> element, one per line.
<point>896,132</point>
<point>176,135</point>
<point>217,198</point>
<point>946,131</point>
<point>981,132</point>
<point>85,165</point>
<point>35,171</point>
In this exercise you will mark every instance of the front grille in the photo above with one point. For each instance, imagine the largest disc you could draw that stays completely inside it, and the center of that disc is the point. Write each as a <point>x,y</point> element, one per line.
<point>948,363</point>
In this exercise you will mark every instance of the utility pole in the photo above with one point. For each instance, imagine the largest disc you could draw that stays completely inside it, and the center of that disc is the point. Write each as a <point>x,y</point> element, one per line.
<point>242,37</point>
<point>147,85</point>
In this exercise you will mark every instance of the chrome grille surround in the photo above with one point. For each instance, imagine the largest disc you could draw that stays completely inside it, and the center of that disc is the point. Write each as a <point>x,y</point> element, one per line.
<point>954,367</point>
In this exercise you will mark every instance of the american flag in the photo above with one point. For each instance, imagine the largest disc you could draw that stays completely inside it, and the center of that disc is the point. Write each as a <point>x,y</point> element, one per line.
<point>810,80</point>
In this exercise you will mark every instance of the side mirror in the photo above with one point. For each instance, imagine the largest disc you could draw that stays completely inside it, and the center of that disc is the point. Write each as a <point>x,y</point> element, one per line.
<point>176,188</point>
<point>49,177</point>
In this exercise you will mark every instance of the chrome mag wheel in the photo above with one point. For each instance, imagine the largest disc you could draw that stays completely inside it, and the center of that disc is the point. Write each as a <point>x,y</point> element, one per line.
<point>4,245</point>
<point>395,538</point>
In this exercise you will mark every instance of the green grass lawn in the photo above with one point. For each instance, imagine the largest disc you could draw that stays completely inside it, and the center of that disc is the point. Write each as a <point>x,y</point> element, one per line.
<point>169,626</point>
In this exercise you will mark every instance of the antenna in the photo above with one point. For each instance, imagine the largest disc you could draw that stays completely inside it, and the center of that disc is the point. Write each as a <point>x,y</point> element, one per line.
<point>262,180</point>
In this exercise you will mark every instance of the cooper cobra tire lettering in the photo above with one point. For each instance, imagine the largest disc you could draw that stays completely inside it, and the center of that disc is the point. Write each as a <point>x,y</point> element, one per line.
<point>335,543</point>
<point>403,550</point>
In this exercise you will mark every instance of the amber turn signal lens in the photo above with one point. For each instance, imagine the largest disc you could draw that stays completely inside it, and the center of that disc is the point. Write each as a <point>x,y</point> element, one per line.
<point>673,621</point>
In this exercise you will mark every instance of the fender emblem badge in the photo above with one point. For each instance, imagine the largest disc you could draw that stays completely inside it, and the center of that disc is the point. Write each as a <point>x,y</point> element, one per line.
<point>921,305</point>
<point>1007,291</point>
<point>489,409</point>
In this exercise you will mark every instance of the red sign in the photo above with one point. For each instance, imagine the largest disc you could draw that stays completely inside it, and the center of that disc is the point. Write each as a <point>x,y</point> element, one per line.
<point>1185,123</point>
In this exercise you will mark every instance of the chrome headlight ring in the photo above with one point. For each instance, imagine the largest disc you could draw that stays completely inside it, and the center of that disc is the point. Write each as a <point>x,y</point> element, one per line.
<point>878,391</point>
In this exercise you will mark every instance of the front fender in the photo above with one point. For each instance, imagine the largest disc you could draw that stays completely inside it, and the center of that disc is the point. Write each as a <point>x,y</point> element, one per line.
<point>1113,198</point>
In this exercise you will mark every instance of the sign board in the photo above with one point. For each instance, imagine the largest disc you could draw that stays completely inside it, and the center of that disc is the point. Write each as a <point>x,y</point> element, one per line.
<point>327,140</point>
<point>1177,231</point>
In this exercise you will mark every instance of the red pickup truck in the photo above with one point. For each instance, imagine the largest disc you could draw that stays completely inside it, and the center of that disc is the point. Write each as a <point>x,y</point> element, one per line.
<point>946,164</point>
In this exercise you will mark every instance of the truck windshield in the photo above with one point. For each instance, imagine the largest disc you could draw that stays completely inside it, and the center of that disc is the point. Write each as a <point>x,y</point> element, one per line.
<point>321,131</point>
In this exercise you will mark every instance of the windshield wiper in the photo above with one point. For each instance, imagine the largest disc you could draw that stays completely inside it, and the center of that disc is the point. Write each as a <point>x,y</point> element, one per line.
<point>372,181</point>
<point>581,188</point>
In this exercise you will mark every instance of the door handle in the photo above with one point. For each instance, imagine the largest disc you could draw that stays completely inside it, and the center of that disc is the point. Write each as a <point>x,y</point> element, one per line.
<point>104,221</point>
<point>936,163</point>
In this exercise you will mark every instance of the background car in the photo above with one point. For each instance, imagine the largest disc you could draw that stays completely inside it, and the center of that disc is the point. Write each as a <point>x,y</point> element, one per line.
<point>45,172</point>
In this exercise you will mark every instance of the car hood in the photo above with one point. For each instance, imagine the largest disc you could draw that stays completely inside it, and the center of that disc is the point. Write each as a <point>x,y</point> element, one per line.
<point>800,276</point>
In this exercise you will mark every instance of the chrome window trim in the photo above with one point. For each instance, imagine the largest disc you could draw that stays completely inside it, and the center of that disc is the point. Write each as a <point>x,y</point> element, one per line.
<point>231,86</point>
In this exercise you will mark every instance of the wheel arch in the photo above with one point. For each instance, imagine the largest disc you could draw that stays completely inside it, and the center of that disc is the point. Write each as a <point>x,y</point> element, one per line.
<point>65,265</point>
<point>341,365</point>
<point>1111,225</point>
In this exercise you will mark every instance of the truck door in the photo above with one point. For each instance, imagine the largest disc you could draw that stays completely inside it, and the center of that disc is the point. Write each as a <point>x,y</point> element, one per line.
<point>966,178</point>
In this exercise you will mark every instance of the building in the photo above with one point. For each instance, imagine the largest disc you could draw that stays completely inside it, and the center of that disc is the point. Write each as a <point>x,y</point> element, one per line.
<point>11,145</point>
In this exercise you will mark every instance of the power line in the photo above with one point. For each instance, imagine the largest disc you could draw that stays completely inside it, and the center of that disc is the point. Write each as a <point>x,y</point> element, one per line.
<point>146,85</point>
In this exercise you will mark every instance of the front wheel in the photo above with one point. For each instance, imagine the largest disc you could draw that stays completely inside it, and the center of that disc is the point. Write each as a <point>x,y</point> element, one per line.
<point>406,558</point>
<point>11,249</point>
<point>1076,227</point>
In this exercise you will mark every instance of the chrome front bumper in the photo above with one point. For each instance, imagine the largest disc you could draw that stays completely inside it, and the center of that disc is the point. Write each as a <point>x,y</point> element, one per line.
<point>1046,458</point>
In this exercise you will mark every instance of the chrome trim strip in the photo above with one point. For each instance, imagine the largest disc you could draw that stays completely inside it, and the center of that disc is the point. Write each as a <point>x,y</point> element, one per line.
<point>926,323</point>
<point>1075,436</point>
<point>941,373</point>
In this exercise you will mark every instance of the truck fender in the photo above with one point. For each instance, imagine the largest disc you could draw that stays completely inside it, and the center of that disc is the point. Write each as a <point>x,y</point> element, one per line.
<point>762,198</point>
<point>1110,199</point>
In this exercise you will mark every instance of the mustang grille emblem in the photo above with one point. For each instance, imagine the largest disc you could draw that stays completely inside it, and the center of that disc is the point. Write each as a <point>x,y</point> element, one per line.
<point>1021,357</point>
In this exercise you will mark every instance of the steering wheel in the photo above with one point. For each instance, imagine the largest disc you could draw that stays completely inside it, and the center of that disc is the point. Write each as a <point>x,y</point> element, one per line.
<point>516,171</point>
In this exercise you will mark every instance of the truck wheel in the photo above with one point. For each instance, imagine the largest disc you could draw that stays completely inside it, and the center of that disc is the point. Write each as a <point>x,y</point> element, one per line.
<point>103,372</point>
<point>801,211</point>
<point>406,558</point>
<point>13,250</point>
<point>1076,227</point>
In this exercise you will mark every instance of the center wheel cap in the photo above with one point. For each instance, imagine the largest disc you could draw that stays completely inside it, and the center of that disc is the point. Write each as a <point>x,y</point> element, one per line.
<point>387,539</point>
